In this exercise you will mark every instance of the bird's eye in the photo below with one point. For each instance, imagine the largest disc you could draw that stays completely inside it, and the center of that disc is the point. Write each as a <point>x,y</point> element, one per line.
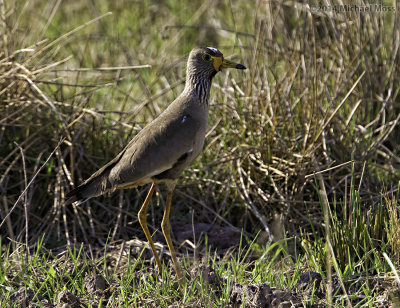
<point>206,57</point>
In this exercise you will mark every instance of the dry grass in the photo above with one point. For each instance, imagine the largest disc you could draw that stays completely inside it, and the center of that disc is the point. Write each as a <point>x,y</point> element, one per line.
<point>320,102</point>
<point>318,97</point>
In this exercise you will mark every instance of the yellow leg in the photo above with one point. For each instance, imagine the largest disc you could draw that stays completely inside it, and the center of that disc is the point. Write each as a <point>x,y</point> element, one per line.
<point>143,222</point>
<point>167,234</point>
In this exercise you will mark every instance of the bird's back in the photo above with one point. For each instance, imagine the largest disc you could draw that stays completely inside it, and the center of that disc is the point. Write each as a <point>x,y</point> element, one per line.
<point>159,152</point>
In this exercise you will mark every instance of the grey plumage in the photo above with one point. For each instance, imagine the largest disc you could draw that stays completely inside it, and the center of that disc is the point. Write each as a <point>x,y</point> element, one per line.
<point>165,147</point>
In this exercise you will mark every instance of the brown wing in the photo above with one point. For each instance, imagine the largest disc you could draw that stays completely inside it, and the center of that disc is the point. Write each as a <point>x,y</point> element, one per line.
<point>155,149</point>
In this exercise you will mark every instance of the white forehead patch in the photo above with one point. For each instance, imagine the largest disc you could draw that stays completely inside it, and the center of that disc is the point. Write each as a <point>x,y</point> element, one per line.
<point>215,50</point>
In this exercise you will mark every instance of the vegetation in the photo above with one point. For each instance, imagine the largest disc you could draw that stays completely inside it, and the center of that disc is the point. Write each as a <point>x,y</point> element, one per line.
<point>303,145</point>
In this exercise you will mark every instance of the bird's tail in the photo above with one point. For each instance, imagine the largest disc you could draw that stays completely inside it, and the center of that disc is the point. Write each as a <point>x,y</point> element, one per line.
<point>96,185</point>
<point>78,195</point>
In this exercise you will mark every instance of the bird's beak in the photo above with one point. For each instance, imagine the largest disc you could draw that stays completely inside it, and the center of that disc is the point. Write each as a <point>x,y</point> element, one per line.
<point>220,63</point>
<point>230,64</point>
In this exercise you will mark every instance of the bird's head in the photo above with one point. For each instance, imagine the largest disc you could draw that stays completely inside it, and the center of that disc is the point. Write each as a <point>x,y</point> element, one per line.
<point>207,61</point>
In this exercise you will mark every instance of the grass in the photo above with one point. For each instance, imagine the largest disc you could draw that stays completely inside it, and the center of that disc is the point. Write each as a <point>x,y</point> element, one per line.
<point>94,278</point>
<point>304,145</point>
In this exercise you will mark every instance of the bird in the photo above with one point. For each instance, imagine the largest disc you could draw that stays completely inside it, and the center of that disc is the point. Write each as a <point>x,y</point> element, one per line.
<point>164,148</point>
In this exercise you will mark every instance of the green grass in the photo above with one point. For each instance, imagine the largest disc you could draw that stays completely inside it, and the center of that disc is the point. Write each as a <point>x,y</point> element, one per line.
<point>134,283</point>
<point>304,142</point>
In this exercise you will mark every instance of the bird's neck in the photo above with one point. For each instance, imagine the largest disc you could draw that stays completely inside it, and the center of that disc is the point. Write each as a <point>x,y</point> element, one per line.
<point>198,86</point>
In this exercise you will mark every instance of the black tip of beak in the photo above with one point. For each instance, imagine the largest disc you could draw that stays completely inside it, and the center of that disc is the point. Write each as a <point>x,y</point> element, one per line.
<point>240,67</point>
